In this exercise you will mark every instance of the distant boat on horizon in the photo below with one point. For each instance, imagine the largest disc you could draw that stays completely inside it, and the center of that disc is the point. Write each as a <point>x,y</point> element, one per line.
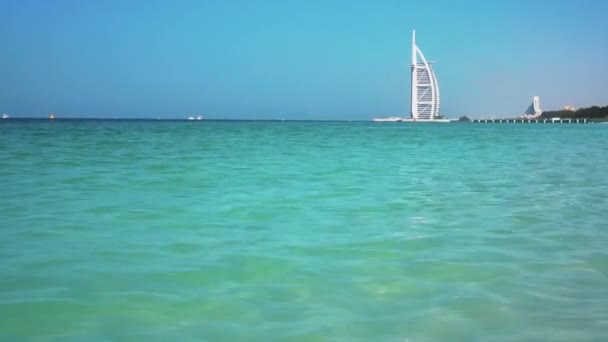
<point>6,116</point>
<point>52,116</point>
<point>389,119</point>
<point>198,117</point>
<point>430,120</point>
<point>400,119</point>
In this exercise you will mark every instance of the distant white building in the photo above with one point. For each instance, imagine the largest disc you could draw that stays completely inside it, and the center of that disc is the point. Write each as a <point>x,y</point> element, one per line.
<point>424,96</point>
<point>425,89</point>
<point>534,110</point>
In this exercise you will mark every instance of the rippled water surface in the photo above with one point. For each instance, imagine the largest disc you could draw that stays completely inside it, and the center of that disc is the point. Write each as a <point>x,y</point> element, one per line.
<point>225,231</point>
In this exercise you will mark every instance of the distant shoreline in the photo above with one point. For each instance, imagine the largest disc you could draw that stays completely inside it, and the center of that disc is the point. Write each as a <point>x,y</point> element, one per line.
<point>175,120</point>
<point>42,119</point>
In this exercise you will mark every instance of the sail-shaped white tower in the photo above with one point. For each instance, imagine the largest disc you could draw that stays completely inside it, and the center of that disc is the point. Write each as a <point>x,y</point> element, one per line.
<point>425,90</point>
<point>536,105</point>
<point>534,110</point>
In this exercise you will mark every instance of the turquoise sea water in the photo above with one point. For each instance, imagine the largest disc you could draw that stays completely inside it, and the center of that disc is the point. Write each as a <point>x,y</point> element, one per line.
<point>303,231</point>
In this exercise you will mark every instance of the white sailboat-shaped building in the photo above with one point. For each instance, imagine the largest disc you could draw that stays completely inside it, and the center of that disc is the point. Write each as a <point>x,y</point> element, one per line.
<point>425,90</point>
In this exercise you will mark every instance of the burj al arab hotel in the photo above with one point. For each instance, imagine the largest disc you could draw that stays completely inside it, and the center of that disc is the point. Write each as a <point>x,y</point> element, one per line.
<point>425,90</point>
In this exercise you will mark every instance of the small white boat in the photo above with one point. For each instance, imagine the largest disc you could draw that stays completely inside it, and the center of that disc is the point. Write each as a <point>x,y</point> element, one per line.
<point>428,120</point>
<point>200,117</point>
<point>6,116</point>
<point>191,118</point>
<point>389,119</point>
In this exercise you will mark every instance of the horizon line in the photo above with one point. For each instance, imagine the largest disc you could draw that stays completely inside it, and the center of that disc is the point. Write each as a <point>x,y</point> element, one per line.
<point>171,119</point>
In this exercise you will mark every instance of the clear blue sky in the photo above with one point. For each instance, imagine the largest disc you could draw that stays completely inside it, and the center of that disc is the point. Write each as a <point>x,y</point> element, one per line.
<point>296,59</point>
